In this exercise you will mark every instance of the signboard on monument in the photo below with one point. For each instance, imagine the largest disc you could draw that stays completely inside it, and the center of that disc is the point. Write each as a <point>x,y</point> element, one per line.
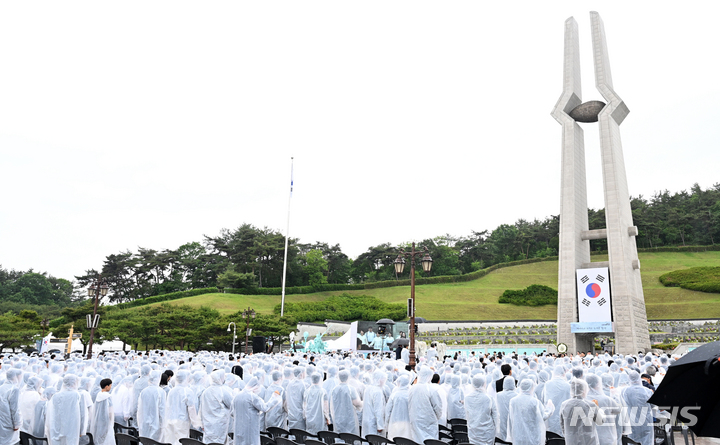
<point>593,294</point>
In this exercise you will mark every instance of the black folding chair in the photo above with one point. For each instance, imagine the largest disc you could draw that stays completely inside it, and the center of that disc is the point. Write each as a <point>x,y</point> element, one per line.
<point>625,441</point>
<point>190,441</point>
<point>328,437</point>
<point>499,441</point>
<point>558,441</point>
<point>149,441</point>
<point>434,442</point>
<point>130,431</point>
<point>195,434</point>
<point>550,435</point>
<point>458,428</point>
<point>264,440</point>
<point>284,441</point>
<point>457,422</point>
<point>125,439</point>
<point>404,441</point>
<point>300,435</point>
<point>686,432</point>
<point>27,439</point>
<point>313,442</point>
<point>374,439</point>
<point>460,437</point>
<point>444,437</point>
<point>278,432</point>
<point>351,439</point>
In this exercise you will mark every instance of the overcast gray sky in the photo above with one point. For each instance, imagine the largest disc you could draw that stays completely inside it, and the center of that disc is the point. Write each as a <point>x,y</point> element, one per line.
<point>126,124</point>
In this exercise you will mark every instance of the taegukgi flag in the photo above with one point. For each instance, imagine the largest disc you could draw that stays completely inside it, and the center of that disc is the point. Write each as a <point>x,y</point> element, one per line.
<point>45,344</point>
<point>593,293</point>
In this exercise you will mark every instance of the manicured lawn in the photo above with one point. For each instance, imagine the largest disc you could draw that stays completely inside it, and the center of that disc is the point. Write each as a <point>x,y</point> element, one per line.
<point>477,300</point>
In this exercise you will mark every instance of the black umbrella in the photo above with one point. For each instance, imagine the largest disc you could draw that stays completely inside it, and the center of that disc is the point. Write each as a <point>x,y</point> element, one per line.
<point>399,342</point>
<point>693,383</point>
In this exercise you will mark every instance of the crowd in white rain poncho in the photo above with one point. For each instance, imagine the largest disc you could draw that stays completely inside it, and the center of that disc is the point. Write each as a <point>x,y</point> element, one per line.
<point>231,400</point>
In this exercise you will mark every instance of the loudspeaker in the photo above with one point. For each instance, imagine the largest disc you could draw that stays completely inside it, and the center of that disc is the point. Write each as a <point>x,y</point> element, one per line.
<point>258,345</point>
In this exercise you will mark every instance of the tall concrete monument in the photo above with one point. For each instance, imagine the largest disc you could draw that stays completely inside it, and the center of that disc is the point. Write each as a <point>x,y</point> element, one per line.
<point>596,298</point>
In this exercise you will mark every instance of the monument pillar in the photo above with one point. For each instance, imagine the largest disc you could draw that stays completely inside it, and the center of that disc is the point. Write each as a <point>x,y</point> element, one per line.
<point>627,318</point>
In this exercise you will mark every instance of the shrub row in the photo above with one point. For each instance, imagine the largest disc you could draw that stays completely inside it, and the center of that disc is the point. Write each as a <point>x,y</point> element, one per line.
<point>533,295</point>
<point>705,287</point>
<point>166,297</point>
<point>703,279</point>
<point>712,248</point>
<point>332,287</point>
<point>344,307</point>
<point>294,289</point>
<point>456,278</point>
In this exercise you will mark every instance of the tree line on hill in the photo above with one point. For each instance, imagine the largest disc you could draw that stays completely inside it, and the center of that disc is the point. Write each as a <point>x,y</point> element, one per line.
<point>183,327</point>
<point>39,292</point>
<point>165,326</point>
<point>249,256</point>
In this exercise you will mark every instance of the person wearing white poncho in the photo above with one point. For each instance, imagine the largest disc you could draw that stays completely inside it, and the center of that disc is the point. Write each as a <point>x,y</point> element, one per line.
<point>343,402</point>
<point>84,390</point>
<point>247,407</point>
<point>373,419</point>
<point>151,409</point>
<point>180,414</point>
<point>635,398</point>
<point>38,425</point>
<point>102,416</point>
<point>526,416</point>
<point>138,386</point>
<point>122,400</point>
<point>481,413</point>
<point>10,420</point>
<point>608,432</point>
<point>556,389</point>
<point>28,399</point>
<point>503,401</point>
<point>397,417</point>
<point>275,416</point>
<point>215,406</point>
<point>455,399</point>
<point>425,408</point>
<point>579,416</point>
<point>65,414</point>
<point>294,400</point>
<point>315,406</point>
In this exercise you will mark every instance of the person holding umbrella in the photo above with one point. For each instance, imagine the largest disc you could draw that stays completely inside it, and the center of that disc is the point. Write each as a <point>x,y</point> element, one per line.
<point>692,384</point>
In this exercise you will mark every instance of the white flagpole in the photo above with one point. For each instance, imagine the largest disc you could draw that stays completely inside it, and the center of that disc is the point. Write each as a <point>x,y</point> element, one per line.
<point>287,237</point>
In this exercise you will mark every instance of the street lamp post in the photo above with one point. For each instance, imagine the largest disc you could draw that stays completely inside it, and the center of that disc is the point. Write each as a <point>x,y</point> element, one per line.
<point>95,290</point>
<point>234,335</point>
<point>426,262</point>
<point>246,314</point>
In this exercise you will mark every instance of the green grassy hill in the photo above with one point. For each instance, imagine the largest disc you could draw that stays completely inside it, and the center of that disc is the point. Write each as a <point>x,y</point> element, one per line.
<point>477,300</point>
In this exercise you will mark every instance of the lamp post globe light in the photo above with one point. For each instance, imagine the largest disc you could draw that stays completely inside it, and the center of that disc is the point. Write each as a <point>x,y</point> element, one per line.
<point>246,315</point>
<point>234,331</point>
<point>426,263</point>
<point>96,289</point>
